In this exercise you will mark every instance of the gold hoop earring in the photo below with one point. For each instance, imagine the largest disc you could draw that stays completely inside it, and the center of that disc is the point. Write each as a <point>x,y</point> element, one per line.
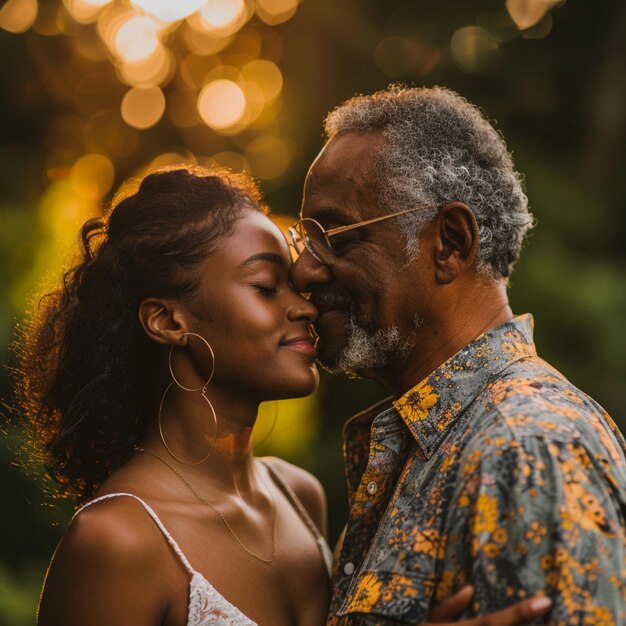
<point>169,363</point>
<point>271,430</point>
<point>202,391</point>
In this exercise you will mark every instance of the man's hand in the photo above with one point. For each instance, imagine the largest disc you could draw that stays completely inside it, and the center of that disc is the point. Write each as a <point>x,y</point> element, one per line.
<point>521,613</point>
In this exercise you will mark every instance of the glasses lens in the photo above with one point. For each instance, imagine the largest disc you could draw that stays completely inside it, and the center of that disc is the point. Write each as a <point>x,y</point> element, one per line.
<point>316,241</point>
<point>295,236</point>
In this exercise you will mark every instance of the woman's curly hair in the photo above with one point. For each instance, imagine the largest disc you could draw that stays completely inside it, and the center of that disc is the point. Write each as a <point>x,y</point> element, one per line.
<point>85,377</point>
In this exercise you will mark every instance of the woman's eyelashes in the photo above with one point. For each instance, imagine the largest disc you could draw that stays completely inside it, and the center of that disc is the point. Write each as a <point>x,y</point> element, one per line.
<point>267,291</point>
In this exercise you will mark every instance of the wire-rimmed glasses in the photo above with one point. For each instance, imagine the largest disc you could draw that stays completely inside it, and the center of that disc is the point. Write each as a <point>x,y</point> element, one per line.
<point>310,234</point>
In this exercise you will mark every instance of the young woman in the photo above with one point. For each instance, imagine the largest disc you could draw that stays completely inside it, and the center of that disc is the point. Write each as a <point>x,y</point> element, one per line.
<point>142,378</point>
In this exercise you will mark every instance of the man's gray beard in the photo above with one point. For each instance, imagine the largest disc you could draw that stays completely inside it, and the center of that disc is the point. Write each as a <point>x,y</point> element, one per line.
<point>365,349</point>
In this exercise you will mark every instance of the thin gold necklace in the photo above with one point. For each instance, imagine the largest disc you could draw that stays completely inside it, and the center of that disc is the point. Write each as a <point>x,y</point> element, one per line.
<point>226,523</point>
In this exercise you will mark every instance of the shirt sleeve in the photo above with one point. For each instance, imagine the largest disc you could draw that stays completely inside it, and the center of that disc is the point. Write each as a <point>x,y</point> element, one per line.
<point>538,516</point>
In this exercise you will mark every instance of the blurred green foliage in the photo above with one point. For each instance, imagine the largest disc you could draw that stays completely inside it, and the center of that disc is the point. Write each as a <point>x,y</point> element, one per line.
<point>559,99</point>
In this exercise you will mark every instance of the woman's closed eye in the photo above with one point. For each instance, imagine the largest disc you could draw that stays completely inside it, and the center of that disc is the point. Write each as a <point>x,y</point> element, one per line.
<point>268,291</point>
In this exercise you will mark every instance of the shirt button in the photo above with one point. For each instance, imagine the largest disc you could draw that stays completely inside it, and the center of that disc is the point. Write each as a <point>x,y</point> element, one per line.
<point>348,569</point>
<point>372,488</point>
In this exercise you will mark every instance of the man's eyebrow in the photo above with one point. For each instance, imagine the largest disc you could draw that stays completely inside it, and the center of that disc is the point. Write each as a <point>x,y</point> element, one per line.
<point>329,215</point>
<point>267,257</point>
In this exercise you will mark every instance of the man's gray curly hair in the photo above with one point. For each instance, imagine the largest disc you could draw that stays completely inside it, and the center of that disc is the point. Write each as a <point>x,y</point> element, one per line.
<point>439,148</point>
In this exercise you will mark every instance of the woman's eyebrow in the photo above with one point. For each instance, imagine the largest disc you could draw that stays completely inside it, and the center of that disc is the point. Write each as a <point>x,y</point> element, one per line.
<point>268,257</point>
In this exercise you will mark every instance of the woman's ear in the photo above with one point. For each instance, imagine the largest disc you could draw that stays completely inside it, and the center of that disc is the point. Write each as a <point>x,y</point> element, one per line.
<point>162,321</point>
<point>456,241</point>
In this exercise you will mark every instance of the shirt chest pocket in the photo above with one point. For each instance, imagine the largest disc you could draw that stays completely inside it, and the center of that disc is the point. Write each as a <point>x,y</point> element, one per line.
<point>405,596</point>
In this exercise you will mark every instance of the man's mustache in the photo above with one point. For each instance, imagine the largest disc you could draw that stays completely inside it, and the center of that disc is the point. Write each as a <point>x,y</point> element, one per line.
<point>331,300</point>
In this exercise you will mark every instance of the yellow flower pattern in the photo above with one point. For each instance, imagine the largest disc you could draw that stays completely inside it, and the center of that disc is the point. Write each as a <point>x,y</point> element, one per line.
<point>494,470</point>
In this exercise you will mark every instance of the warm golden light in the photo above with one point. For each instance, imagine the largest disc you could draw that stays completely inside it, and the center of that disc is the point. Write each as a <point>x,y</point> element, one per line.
<point>183,157</point>
<point>17,16</point>
<point>266,75</point>
<point>110,20</point>
<point>221,104</point>
<point>228,159</point>
<point>255,99</point>
<point>136,39</point>
<point>222,13</point>
<point>83,11</point>
<point>47,21</point>
<point>472,47</point>
<point>295,427</point>
<point>154,70</point>
<point>527,13</point>
<point>108,134</point>
<point>269,156</point>
<point>541,29</point>
<point>169,10</point>
<point>92,176</point>
<point>276,11</point>
<point>143,106</point>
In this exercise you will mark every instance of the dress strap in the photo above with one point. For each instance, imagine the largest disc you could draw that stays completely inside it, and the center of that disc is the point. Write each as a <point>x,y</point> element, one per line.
<point>303,513</point>
<point>155,518</point>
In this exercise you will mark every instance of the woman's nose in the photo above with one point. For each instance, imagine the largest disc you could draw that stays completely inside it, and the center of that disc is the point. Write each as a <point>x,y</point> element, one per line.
<point>302,310</point>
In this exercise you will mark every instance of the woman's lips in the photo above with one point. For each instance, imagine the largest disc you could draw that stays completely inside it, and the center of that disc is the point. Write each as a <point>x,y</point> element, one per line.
<point>304,345</point>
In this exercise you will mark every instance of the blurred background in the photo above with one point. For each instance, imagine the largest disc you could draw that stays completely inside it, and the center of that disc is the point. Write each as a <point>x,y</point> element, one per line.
<point>96,91</point>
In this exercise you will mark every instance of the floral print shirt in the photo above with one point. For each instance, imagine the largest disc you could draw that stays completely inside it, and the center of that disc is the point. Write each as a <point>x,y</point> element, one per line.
<point>494,470</point>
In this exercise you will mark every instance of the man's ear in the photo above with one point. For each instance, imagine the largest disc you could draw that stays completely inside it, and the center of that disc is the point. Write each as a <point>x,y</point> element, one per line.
<point>162,321</point>
<point>456,243</point>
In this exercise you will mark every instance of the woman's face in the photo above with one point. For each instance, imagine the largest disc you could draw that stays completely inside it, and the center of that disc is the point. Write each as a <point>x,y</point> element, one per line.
<point>257,325</point>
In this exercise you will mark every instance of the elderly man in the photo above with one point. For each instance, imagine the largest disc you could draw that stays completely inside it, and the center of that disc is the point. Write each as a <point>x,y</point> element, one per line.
<point>486,465</point>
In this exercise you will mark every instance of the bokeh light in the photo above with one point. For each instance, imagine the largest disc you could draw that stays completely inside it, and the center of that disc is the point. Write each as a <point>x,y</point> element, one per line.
<point>143,106</point>
<point>221,104</point>
<point>155,69</point>
<point>527,13</point>
<point>82,11</point>
<point>269,156</point>
<point>229,159</point>
<point>472,48</point>
<point>541,29</point>
<point>276,11</point>
<point>17,16</point>
<point>266,76</point>
<point>136,39</point>
<point>169,52</point>
<point>222,17</point>
<point>98,3</point>
<point>198,40</point>
<point>169,10</point>
<point>92,177</point>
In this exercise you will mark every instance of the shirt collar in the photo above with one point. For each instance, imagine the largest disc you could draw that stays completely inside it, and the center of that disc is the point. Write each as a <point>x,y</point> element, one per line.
<point>429,408</point>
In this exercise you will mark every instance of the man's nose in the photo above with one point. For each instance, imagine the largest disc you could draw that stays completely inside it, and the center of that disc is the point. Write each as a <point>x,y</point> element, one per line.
<point>307,273</point>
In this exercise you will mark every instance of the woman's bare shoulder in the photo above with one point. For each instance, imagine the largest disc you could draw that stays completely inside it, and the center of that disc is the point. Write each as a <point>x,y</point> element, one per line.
<point>111,553</point>
<point>114,526</point>
<point>306,486</point>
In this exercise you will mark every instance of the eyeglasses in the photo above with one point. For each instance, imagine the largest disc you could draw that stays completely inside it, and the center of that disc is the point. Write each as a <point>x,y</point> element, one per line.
<point>310,234</point>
